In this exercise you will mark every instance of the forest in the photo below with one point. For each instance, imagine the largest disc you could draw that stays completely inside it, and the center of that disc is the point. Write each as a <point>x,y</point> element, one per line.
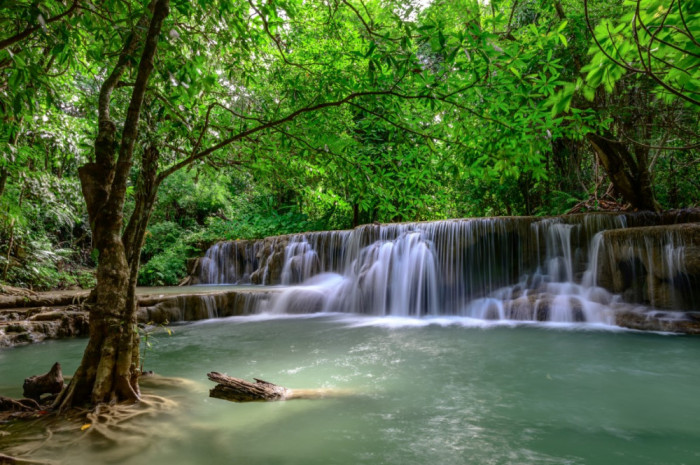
<point>263,118</point>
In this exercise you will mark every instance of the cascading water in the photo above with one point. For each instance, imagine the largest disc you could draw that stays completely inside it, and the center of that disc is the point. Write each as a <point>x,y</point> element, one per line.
<point>389,277</point>
<point>553,292</point>
<point>492,268</point>
<point>659,266</point>
<point>302,261</point>
<point>475,268</point>
<point>229,263</point>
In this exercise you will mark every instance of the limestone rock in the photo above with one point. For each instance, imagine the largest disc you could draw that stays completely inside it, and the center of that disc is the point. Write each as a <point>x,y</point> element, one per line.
<point>24,326</point>
<point>203,306</point>
<point>674,322</point>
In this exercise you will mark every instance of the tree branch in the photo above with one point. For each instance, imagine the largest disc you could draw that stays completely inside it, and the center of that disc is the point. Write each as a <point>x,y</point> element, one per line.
<point>31,29</point>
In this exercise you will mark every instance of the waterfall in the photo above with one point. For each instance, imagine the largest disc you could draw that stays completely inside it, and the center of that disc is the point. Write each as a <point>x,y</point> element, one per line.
<point>658,266</point>
<point>388,277</point>
<point>563,269</point>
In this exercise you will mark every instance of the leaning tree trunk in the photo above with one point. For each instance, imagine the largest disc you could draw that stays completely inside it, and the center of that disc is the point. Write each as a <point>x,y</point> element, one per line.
<point>135,232</point>
<point>630,176</point>
<point>109,368</point>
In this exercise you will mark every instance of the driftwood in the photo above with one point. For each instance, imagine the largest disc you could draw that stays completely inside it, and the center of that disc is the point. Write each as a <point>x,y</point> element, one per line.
<point>240,390</point>
<point>50,383</point>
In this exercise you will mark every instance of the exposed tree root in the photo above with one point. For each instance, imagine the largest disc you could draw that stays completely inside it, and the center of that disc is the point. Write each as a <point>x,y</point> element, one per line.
<point>110,432</point>
<point>9,460</point>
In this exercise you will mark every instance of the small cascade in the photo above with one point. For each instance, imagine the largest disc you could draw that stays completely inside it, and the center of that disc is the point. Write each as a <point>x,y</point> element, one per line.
<point>656,266</point>
<point>301,262</point>
<point>209,302</point>
<point>561,288</point>
<point>559,262</point>
<point>229,263</point>
<point>377,282</point>
<point>196,307</point>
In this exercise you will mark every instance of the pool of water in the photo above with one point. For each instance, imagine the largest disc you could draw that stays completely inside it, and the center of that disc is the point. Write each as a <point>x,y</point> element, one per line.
<point>449,391</point>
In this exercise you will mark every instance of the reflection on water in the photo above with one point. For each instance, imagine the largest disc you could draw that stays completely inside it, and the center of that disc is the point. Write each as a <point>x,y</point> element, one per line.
<point>442,390</point>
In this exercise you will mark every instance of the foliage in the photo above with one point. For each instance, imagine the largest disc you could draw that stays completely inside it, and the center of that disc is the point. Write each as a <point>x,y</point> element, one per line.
<point>280,116</point>
<point>652,39</point>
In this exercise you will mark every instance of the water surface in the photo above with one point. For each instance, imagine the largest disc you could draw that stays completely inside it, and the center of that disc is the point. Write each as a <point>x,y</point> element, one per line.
<point>448,390</point>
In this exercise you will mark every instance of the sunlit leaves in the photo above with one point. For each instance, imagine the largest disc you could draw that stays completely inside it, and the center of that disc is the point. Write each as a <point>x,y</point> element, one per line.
<point>653,39</point>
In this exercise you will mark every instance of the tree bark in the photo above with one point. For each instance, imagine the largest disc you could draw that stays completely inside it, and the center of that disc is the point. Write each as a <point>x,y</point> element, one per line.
<point>135,232</point>
<point>4,174</point>
<point>109,368</point>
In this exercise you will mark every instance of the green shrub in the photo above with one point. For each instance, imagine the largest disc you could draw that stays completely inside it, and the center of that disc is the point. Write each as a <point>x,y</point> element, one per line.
<point>168,267</point>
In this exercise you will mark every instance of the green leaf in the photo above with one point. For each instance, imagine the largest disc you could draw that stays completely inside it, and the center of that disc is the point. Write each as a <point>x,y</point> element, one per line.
<point>563,40</point>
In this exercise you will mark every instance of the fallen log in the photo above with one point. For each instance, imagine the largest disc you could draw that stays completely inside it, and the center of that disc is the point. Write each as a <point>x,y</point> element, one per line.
<point>49,383</point>
<point>240,390</point>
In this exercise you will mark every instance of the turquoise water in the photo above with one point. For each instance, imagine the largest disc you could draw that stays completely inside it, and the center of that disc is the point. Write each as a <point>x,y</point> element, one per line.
<point>450,391</point>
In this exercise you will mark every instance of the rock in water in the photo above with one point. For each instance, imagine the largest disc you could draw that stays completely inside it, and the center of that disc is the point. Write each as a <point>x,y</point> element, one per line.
<point>50,383</point>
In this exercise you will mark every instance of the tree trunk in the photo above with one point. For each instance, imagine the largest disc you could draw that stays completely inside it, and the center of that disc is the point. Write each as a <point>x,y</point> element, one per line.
<point>135,232</point>
<point>4,174</point>
<point>109,368</point>
<point>629,176</point>
<point>146,193</point>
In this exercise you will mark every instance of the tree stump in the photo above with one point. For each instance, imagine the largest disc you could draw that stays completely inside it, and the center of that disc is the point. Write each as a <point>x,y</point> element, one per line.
<point>50,383</point>
<point>240,390</point>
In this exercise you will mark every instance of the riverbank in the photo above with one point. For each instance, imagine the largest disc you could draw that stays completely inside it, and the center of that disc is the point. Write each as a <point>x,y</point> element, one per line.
<point>36,316</point>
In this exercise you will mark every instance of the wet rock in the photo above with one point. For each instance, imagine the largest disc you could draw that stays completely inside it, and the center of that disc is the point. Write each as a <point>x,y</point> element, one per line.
<point>674,322</point>
<point>546,307</point>
<point>270,257</point>
<point>16,328</point>
<point>49,323</point>
<point>204,306</point>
